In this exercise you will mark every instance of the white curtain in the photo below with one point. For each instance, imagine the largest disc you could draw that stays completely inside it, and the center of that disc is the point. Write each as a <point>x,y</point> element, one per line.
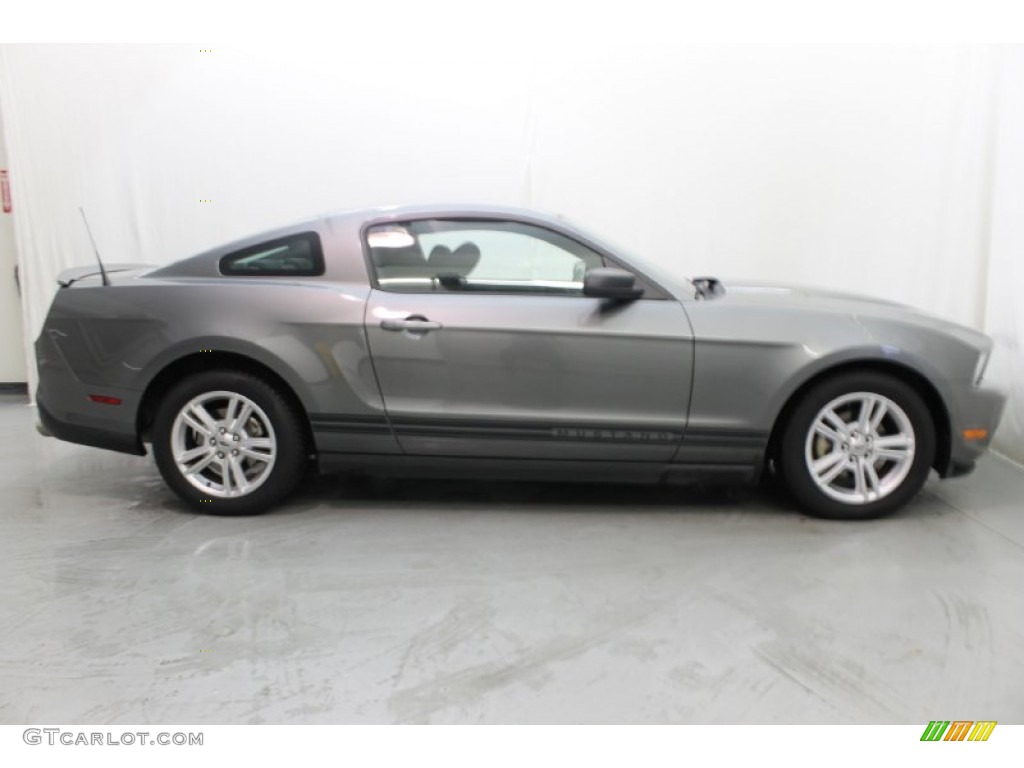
<point>895,171</point>
<point>1003,289</point>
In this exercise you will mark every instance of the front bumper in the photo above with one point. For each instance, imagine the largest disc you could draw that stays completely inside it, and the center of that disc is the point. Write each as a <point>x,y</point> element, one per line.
<point>974,411</point>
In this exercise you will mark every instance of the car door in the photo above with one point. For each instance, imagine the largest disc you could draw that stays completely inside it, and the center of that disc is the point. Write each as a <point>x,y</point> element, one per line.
<point>484,346</point>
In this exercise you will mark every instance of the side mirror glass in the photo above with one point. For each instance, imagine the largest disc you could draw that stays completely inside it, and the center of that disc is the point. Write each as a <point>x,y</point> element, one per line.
<point>610,283</point>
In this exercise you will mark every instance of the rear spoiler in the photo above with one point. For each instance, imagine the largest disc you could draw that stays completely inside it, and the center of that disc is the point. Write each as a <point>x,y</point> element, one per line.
<point>69,276</point>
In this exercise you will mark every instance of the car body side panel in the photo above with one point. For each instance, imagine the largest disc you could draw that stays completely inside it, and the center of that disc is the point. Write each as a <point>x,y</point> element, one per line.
<point>339,238</point>
<point>120,338</point>
<point>752,354</point>
<point>521,376</point>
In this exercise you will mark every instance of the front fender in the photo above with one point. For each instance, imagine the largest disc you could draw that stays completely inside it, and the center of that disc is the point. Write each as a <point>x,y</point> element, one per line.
<point>874,356</point>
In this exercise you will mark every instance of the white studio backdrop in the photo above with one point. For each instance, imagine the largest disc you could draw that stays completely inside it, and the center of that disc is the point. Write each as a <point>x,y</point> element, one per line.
<point>896,171</point>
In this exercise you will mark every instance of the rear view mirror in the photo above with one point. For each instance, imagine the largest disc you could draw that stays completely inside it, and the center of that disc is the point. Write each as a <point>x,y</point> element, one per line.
<point>610,283</point>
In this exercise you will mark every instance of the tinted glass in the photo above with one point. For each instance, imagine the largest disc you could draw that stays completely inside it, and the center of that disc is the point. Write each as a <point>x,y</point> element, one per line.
<point>445,255</point>
<point>293,256</point>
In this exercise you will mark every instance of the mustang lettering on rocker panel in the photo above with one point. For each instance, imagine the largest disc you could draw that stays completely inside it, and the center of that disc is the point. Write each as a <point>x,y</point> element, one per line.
<point>615,435</point>
<point>490,429</point>
<point>440,427</point>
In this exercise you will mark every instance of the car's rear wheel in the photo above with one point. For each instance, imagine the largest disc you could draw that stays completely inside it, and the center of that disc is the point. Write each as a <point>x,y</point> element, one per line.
<point>228,443</point>
<point>857,446</point>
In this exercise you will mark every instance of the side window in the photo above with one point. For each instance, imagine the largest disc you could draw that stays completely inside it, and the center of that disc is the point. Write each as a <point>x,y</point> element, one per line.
<point>297,255</point>
<point>478,256</point>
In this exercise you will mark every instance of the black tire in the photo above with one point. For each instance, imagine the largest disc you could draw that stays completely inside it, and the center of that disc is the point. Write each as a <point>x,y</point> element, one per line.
<point>895,482</point>
<point>286,432</point>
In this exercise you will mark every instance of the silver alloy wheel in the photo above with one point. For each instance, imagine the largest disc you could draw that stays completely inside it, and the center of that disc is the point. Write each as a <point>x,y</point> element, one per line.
<point>860,448</point>
<point>223,444</point>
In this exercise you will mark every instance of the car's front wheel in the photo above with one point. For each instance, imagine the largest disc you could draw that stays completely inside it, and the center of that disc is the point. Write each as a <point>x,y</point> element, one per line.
<point>857,446</point>
<point>228,443</point>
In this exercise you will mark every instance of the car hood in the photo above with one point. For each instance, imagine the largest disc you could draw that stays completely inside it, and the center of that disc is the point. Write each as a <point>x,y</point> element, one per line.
<point>756,291</point>
<point>749,292</point>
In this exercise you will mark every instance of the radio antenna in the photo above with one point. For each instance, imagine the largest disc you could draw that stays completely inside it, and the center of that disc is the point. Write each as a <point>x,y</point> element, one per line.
<point>103,272</point>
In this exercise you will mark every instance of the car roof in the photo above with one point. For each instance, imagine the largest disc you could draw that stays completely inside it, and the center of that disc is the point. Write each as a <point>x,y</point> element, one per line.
<point>204,262</point>
<point>446,210</point>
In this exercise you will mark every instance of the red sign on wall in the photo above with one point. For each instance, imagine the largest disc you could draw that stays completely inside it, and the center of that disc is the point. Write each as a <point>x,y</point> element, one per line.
<point>5,191</point>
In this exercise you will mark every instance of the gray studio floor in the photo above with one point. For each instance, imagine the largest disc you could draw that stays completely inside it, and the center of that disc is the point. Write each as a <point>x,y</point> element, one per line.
<point>456,602</point>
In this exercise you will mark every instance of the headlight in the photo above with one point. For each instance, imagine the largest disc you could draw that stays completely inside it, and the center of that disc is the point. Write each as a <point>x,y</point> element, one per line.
<point>979,369</point>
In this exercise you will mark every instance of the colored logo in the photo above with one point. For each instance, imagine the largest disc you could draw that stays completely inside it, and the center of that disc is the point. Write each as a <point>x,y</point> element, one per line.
<point>958,730</point>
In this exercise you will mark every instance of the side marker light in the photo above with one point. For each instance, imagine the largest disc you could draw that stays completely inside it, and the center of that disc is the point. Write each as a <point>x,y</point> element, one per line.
<point>105,399</point>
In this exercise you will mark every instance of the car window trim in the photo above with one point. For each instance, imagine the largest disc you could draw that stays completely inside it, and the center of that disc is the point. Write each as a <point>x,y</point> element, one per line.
<point>311,237</point>
<point>653,291</point>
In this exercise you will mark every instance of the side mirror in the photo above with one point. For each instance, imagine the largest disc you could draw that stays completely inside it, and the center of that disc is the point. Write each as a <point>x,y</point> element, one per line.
<point>609,283</point>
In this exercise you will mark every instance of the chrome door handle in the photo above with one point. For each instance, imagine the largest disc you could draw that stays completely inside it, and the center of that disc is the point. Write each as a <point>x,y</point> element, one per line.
<point>414,324</point>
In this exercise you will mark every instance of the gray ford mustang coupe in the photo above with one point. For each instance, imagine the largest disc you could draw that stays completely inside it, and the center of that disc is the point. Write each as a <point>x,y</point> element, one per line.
<point>492,342</point>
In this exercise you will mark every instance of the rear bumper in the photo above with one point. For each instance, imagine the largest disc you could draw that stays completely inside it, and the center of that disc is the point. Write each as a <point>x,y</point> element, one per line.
<point>66,411</point>
<point>97,437</point>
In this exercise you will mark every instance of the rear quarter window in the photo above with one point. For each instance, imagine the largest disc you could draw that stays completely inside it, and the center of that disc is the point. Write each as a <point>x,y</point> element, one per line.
<point>297,255</point>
